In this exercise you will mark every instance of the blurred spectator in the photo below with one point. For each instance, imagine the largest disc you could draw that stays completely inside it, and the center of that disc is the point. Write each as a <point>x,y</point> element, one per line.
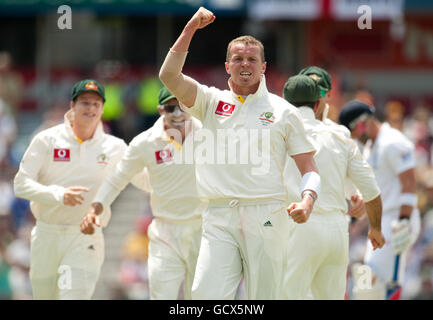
<point>6,237</point>
<point>53,116</point>
<point>364,96</point>
<point>147,101</point>
<point>18,253</point>
<point>419,129</point>
<point>133,274</point>
<point>11,83</point>
<point>394,114</point>
<point>8,129</point>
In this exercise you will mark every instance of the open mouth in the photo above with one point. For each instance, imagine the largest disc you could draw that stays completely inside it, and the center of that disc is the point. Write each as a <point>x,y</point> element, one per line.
<point>245,74</point>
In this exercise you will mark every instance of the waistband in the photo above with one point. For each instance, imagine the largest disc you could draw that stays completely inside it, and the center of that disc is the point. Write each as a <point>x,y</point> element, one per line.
<point>233,202</point>
<point>58,228</point>
<point>194,219</point>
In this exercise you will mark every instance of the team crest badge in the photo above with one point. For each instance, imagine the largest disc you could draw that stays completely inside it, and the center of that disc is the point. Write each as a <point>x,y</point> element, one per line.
<point>267,118</point>
<point>91,86</point>
<point>163,156</point>
<point>102,158</point>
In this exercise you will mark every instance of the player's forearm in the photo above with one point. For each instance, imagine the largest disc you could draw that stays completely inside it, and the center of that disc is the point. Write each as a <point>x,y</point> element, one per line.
<point>374,212</point>
<point>183,41</point>
<point>408,198</point>
<point>27,188</point>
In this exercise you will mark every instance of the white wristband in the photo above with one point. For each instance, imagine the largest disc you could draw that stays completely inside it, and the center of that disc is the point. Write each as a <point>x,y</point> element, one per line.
<point>310,181</point>
<point>408,199</point>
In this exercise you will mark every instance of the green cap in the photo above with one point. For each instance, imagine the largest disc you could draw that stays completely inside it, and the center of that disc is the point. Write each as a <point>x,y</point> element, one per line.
<point>87,85</point>
<point>301,88</point>
<point>164,95</point>
<point>321,76</point>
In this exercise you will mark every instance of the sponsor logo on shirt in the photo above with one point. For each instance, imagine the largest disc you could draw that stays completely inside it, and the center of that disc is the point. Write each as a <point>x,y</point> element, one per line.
<point>102,159</point>
<point>267,118</point>
<point>224,109</point>
<point>163,156</point>
<point>62,155</point>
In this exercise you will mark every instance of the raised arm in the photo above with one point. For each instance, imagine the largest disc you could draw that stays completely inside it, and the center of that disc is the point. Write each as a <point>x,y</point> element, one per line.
<point>183,87</point>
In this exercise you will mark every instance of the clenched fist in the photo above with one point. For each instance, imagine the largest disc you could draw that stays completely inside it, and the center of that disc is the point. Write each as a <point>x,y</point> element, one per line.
<point>201,19</point>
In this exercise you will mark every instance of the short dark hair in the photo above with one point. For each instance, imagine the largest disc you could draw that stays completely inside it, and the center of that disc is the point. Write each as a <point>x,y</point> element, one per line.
<point>304,104</point>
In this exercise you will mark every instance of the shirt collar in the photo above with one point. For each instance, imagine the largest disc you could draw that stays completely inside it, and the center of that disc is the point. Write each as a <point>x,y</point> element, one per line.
<point>307,113</point>
<point>261,91</point>
<point>69,118</point>
<point>159,132</point>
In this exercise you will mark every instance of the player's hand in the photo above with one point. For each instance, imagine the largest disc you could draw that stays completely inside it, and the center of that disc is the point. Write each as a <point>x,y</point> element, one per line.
<point>358,207</point>
<point>201,19</point>
<point>376,238</point>
<point>73,196</point>
<point>400,236</point>
<point>300,211</point>
<point>90,220</point>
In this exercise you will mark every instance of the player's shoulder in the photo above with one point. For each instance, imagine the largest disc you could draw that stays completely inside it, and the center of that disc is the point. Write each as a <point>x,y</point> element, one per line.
<point>394,139</point>
<point>113,140</point>
<point>337,127</point>
<point>143,138</point>
<point>51,133</point>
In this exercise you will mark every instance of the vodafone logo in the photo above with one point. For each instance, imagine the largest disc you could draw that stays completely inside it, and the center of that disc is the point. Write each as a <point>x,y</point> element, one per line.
<point>62,155</point>
<point>162,156</point>
<point>224,109</point>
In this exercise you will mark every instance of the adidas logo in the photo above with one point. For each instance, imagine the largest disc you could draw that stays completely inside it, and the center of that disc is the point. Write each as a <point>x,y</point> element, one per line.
<point>91,247</point>
<point>268,224</point>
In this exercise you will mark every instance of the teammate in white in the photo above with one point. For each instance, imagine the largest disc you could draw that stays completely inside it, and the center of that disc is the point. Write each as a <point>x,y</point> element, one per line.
<point>175,231</point>
<point>318,251</point>
<point>323,79</point>
<point>245,227</point>
<point>60,173</point>
<point>391,155</point>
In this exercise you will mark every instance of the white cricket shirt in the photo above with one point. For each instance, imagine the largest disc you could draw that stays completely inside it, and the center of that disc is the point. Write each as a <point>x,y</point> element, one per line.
<point>391,154</point>
<point>337,157</point>
<point>259,133</point>
<point>54,161</point>
<point>173,192</point>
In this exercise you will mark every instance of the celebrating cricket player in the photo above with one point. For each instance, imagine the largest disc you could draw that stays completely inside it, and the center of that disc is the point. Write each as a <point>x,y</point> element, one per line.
<point>246,225</point>
<point>60,173</point>
<point>318,250</point>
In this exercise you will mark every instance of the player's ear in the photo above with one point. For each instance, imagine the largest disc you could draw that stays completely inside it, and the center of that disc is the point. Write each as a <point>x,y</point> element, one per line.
<point>226,64</point>
<point>71,104</point>
<point>161,110</point>
<point>264,67</point>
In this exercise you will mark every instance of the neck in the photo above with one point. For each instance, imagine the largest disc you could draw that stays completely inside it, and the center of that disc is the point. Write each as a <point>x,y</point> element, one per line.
<point>172,132</point>
<point>377,126</point>
<point>83,132</point>
<point>244,91</point>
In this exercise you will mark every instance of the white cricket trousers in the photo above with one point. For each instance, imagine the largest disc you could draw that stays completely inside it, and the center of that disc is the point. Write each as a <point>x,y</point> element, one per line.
<point>247,238</point>
<point>173,252</point>
<point>318,256</point>
<point>65,263</point>
<point>381,261</point>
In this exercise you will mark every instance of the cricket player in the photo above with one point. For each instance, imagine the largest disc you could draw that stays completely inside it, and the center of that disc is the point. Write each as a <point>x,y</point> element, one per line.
<point>175,231</point>
<point>60,173</point>
<point>323,79</point>
<point>246,224</point>
<point>318,250</point>
<point>391,155</point>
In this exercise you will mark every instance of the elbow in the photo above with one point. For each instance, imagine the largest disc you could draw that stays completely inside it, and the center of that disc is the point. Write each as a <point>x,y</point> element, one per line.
<point>18,186</point>
<point>163,76</point>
